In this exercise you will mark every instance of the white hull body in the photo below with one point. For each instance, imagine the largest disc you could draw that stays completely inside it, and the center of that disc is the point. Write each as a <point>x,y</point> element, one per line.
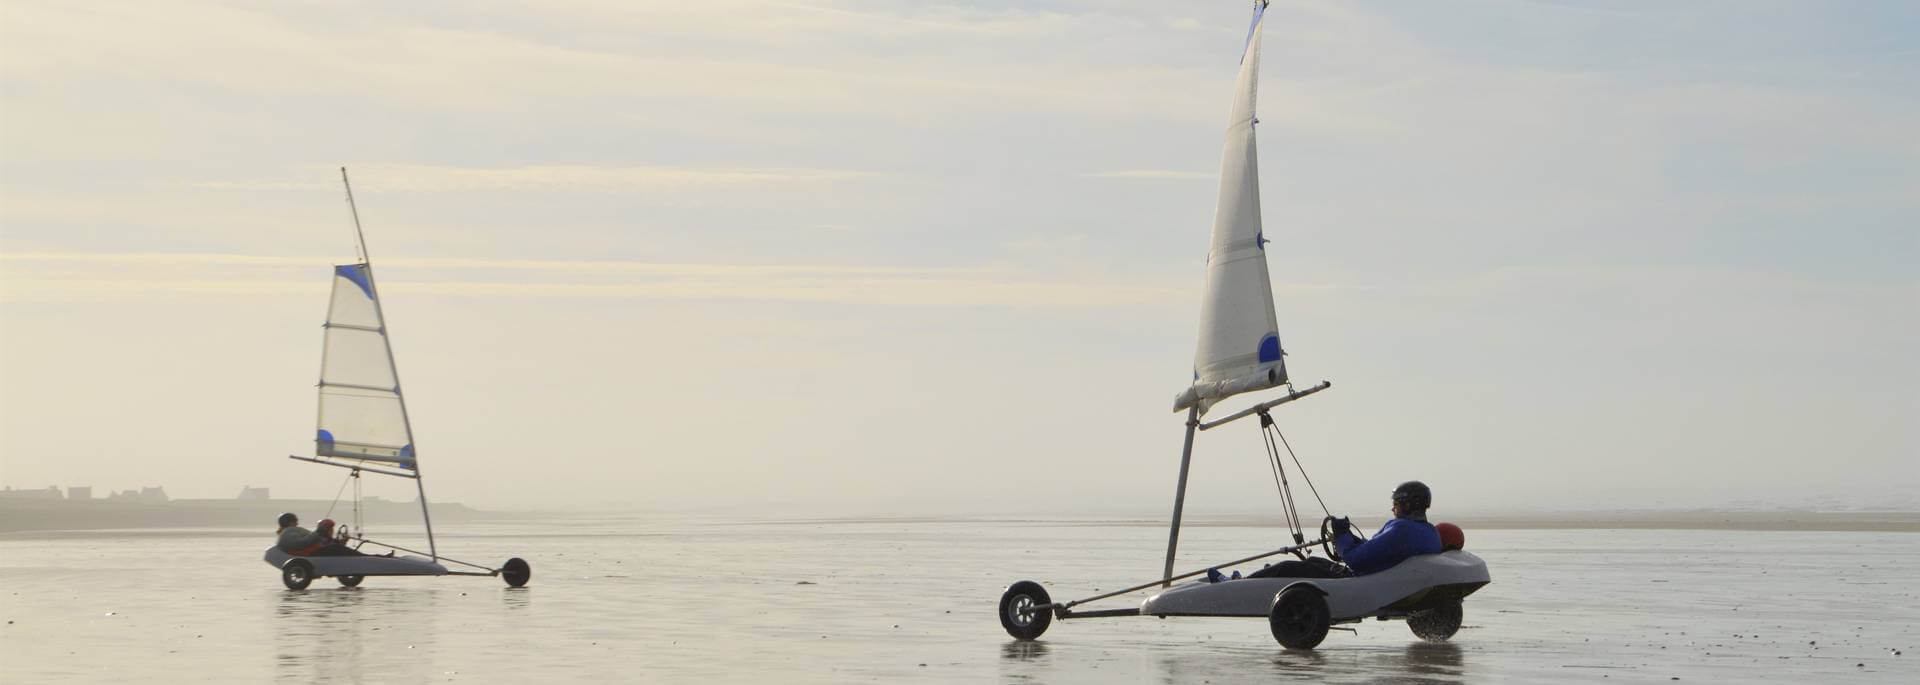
<point>1395,591</point>
<point>362,566</point>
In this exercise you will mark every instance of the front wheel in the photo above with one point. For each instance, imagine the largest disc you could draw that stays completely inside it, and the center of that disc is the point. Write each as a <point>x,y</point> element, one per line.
<point>1299,617</point>
<point>296,574</point>
<point>1023,612</point>
<point>516,572</point>
<point>351,581</point>
<point>1436,625</point>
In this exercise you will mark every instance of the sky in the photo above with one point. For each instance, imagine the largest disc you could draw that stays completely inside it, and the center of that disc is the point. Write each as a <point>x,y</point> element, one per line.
<point>904,258</point>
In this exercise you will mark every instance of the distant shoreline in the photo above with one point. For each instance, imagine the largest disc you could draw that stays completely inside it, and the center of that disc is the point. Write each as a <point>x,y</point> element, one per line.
<point>1778,521</point>
<point>1784,521</point>
<point>24,515</point>
<point>37,518</point>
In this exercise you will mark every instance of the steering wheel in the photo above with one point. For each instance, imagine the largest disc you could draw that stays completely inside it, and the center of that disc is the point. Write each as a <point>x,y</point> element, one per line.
<point>1326,537</point>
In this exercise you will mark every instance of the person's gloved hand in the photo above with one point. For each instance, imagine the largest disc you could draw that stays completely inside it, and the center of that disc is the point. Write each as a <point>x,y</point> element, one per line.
<point>1342,526</point>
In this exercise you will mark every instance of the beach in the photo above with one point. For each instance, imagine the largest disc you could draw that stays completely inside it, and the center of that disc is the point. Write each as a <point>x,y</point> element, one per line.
<point>691,599</point>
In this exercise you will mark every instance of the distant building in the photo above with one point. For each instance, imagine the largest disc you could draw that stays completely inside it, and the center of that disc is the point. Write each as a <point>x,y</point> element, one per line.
<point>151,495</point>
<point>51,492</point>
<point>250,492</point>
<point>80,492</point>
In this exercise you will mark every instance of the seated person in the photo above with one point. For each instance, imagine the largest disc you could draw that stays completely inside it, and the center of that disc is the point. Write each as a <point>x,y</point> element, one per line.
<point>1407,535</point>
<point>320,542</point>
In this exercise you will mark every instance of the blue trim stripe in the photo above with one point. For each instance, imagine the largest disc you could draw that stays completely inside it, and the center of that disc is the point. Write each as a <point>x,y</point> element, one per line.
<point>1258,11</point>
<point>358,274</point>
<point>1270,348</point>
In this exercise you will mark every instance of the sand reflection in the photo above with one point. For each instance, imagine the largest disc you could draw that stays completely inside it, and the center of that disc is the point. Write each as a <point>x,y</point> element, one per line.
<point>517,598</point>
<point>353,634</point>
<point>1417,662</point>
<point>1017,650</point>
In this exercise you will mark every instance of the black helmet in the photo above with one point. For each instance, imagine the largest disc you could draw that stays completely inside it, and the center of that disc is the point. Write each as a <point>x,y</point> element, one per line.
<point>288,519</point>
<point>1413,495</point>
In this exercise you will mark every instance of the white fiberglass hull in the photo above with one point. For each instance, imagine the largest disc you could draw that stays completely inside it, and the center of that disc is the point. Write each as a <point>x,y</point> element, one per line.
<point>362,566</point>
<point>1406,587</point>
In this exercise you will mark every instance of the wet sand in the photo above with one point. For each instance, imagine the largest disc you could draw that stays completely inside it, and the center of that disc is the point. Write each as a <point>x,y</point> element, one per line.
<point>893,601</point>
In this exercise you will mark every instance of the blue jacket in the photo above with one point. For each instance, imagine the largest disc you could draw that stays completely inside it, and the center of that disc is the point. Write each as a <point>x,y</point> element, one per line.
<point>1400,539</point>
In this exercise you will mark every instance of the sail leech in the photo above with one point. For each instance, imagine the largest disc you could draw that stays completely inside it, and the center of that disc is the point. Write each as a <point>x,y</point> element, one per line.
<point>1239,342</point>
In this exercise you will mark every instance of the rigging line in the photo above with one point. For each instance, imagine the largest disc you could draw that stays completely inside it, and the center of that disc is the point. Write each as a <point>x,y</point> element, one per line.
<point>1303,470</point>
<point>360,237</point>
<point>336,498</point>
<point>1287,507</point>
<point>1273,465</point>
<point>1273,452</point>
<point>1293,506</point>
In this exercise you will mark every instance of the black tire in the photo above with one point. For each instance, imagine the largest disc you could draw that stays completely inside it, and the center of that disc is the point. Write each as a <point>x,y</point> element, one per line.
<point>296,574</point>
<point>1299,617</point>
<point>516,572</point>
<point>1018,613</point>
<point>1437,624</point>
<point>351,581</point>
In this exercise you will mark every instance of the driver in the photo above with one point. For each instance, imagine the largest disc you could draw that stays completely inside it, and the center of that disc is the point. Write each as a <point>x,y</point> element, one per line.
<point>320,542</point>
<point>1407,535</point>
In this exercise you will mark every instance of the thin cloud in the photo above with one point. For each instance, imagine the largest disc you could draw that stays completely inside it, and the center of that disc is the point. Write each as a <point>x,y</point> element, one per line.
<point>1155,174</point>
<point>195,259</point>
<point>422,178</point>
<point>48,275</point>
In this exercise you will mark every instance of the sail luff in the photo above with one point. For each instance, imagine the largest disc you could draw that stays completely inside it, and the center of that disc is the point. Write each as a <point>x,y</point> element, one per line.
<point>1239,342</point>
<point>363,412</point>
<point>362,409</point>
<point>393,366</point>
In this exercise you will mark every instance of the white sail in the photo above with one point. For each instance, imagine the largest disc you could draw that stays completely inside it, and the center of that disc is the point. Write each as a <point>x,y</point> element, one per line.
<point>1239,348</point>
<point>362,415</point>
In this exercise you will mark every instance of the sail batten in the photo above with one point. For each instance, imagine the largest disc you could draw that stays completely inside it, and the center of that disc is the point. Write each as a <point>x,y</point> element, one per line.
<point>362,413</point>
<point>1239,343</point>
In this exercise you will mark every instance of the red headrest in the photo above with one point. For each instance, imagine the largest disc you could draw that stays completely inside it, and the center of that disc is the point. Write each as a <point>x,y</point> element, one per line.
<point>1451,537</point>
<point>324,524</point>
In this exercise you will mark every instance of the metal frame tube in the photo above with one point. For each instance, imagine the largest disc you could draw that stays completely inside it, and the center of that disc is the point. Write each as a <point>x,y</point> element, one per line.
<point>490,570</point>
<point>1263,406</point>
<point>1180,491</point>
<point>352,386</point>
<point>386,337</point>
<point>356,467</point>
<point>1170,577</point>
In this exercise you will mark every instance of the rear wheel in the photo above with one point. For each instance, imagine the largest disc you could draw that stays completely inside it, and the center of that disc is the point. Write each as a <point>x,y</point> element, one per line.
<point>351,581</point>
<point>296,574</point>
<point>1020,610</point>
<point>1299,617</point>
<point>1438,624</point>
<point>516,572</point>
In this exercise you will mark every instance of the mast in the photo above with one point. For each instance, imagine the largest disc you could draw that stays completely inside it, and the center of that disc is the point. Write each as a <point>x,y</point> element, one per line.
<point>386,337</point>
<point>1180,494</point>
<point>1239,343</point>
